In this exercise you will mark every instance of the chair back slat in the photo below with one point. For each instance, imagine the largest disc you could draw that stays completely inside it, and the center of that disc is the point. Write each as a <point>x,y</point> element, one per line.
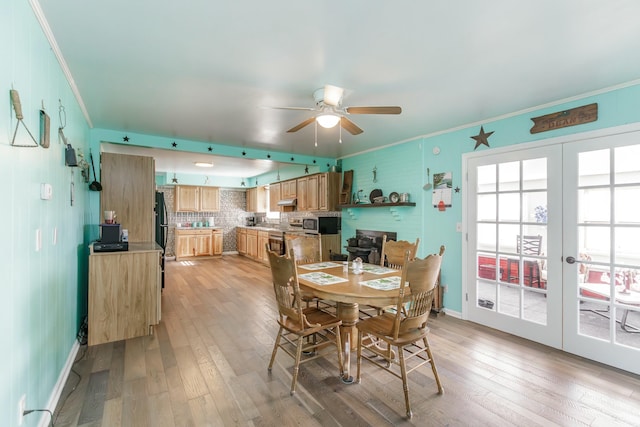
<point>306,249</point>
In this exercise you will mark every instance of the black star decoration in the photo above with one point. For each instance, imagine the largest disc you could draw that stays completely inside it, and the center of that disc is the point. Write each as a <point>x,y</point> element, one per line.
<point>292,159</point>
<point>268,156</point>
<point>125,139</point>
<point>457,189</point>
<point>244,153</point>
<point>173,144</point>
<point>481,138</point>
<point>210,149</point>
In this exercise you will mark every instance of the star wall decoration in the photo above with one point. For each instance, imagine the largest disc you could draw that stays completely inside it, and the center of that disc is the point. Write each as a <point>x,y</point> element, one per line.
<point>173,144</point>
<point>457,189</point>
<point>125,139</point>
<point>210,148</point>
<point>482,138</point>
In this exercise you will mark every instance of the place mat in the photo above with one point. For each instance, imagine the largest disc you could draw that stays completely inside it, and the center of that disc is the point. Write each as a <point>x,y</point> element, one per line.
<point>384,284</point>
<point>376,269</point>
<point>319,265</point>
<point>322,278</point>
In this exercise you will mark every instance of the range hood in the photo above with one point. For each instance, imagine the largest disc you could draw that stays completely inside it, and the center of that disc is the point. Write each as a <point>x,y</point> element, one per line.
<point>287,202</point>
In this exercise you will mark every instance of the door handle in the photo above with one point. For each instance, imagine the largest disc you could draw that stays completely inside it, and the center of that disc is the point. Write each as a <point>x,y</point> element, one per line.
<point>570,260</point>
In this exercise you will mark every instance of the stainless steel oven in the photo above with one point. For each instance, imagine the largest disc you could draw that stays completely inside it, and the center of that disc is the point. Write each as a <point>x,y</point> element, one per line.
<point>276,242</point>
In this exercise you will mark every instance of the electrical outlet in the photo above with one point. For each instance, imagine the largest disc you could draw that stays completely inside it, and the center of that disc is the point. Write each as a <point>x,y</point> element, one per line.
<point>22,405</point>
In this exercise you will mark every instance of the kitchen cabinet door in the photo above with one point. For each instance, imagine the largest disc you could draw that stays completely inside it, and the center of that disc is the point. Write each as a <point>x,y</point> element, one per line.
<point>184,246</point>
<point>263,240</point>
<point>312,191</point>
<point>217,242</point>
<point>241,235</point>
<point>274,197</point>
<point>187,198</point>
<point>204,244</point>
<point>209,199</point>
<point>252,244</point>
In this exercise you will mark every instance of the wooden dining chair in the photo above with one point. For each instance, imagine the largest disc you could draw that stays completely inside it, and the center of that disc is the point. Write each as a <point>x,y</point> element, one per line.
<point>302,329</point>
<point>405,330</point>
<point>392,254</point>
<point>307,249</point>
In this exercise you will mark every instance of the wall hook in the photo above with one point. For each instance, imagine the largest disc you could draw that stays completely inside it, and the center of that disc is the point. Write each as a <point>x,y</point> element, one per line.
<point>375,173</point>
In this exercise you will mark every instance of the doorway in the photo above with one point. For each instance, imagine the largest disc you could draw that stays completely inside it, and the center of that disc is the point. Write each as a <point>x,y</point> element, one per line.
<point>552,249</point>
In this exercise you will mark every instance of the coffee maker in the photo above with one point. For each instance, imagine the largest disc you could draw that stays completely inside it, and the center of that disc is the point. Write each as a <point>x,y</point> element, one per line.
<point>250,221</point>
<point>110,236</point>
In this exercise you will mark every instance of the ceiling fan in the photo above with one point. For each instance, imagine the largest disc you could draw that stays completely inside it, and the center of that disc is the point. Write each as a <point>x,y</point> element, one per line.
<point>329,110</point>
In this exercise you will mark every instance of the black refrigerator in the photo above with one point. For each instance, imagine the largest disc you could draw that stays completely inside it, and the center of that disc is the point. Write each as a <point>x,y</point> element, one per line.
<point>161,228</point>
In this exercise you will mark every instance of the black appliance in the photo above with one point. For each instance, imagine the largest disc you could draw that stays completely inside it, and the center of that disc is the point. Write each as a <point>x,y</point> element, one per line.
<point>162,228</point>
<point>110,247</point>
<point>321,225</point>
<point>110,233</point>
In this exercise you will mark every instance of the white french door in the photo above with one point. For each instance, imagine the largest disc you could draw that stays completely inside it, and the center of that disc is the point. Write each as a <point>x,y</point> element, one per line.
<point>581,290</point>
<point>512,195</point>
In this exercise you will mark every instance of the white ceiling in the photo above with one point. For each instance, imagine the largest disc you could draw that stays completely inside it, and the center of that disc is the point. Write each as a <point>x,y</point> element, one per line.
<point>204,70</point>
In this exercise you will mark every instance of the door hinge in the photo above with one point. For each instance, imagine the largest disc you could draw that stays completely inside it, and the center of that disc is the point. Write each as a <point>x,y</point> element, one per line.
<point>466,297</point>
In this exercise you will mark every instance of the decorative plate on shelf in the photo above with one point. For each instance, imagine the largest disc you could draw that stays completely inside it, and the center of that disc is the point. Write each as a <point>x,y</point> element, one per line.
<point>394,197</point>
<point>375,193</point>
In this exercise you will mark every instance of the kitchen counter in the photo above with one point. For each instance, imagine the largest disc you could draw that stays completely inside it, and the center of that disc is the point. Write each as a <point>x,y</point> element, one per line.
<point>273,228</point>
<point>196,228</point>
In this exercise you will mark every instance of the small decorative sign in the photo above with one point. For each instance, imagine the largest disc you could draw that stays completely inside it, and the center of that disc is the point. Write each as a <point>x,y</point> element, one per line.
<point>566,118</point>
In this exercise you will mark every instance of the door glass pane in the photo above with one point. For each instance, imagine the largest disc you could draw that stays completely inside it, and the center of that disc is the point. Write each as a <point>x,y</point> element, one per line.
<point>626,164</point>
<point>534,206</point>
<point>594,320</point>
<point>626,205</point>
<point>535,307</point>
<point>593,168</point>
<point>486,178</point>
<point>486,237</point>
<point>509,300</point>
<point>598,201</point>
<point>509,207</point>
<point>507,237</point>
<point>534,174</point>
<point>509,176</point>
<point>486,207</point>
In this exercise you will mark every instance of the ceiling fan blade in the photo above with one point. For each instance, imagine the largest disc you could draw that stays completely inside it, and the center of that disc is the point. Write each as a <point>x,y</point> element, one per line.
<point>292,108</point>
<point>332,95</point>
<point>301,125</point>
<point>373,110</point>
<point>349,126</point>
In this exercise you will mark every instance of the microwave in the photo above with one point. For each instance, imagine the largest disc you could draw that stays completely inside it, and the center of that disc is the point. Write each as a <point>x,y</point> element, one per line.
<point>321,225</point>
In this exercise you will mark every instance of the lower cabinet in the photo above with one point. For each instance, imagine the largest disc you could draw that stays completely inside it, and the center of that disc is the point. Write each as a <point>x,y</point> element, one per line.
<point>198,243</point>
<point>124,293</point>
<point>251,243</point>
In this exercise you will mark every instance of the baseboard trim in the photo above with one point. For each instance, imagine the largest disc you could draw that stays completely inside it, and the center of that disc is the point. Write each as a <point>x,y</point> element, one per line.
<point>452,313</point>
<point>59,386</point>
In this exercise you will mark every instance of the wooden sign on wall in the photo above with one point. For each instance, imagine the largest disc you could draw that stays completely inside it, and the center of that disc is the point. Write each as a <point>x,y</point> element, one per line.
<point>566,118</point>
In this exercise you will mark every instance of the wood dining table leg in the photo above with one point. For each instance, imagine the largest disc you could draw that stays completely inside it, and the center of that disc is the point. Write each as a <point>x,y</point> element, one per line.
<point>348,313</point>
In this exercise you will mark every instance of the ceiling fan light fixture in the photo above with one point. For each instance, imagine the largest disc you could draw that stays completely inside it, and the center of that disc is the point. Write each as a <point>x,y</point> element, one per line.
<point>327,120</point>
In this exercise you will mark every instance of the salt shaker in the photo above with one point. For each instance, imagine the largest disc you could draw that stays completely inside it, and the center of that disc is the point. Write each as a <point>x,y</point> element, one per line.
<point>345,267</point>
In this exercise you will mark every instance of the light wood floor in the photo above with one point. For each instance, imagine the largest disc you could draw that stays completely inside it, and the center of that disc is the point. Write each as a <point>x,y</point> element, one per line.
<point>207,366</point>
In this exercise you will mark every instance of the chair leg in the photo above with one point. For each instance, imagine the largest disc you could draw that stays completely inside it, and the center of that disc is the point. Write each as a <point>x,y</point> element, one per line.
<point>359,358</point>
<point>275,348</point>
<point>405,385</point>
<point>296,366</point>
<point>433,365</point>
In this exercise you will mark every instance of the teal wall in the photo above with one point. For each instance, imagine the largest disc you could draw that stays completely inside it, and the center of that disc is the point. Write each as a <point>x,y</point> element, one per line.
<point>43,292</point>
<point>403,168</point>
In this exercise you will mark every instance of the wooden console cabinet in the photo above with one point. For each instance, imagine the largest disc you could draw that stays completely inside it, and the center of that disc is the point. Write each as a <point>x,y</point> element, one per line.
<point>124,293</point>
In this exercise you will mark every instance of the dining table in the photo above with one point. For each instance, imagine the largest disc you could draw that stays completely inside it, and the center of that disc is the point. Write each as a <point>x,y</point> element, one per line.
<point>376,286</point>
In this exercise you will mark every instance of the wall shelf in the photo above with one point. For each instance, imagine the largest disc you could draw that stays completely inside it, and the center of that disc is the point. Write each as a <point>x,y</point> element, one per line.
<point>376,205</point>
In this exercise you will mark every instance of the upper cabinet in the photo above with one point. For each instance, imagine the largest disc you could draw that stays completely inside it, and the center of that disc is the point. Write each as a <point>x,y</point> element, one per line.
<point>190,198</point>
<point>256,200</point>
<point>316,192</point>
<point>274,197</point>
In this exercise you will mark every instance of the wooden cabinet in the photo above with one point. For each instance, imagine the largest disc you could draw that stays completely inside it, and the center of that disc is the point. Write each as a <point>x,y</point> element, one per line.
<point>288,189</point>
<point>274,197</point>
<point>217,242</point>
<point>263,240</point>
<point>124,293</point>
<point>190,198</point>
<point>128,184</point>
<point>252,244</point>
<point>241,242</point>
<point>328,191</point>
<point>196,243</point>
<point>256,200</point>
<point>307,191</point>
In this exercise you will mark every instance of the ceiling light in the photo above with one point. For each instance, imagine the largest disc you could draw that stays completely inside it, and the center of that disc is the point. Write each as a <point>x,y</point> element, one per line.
<point>327,120</point>
<point>203,164</point>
